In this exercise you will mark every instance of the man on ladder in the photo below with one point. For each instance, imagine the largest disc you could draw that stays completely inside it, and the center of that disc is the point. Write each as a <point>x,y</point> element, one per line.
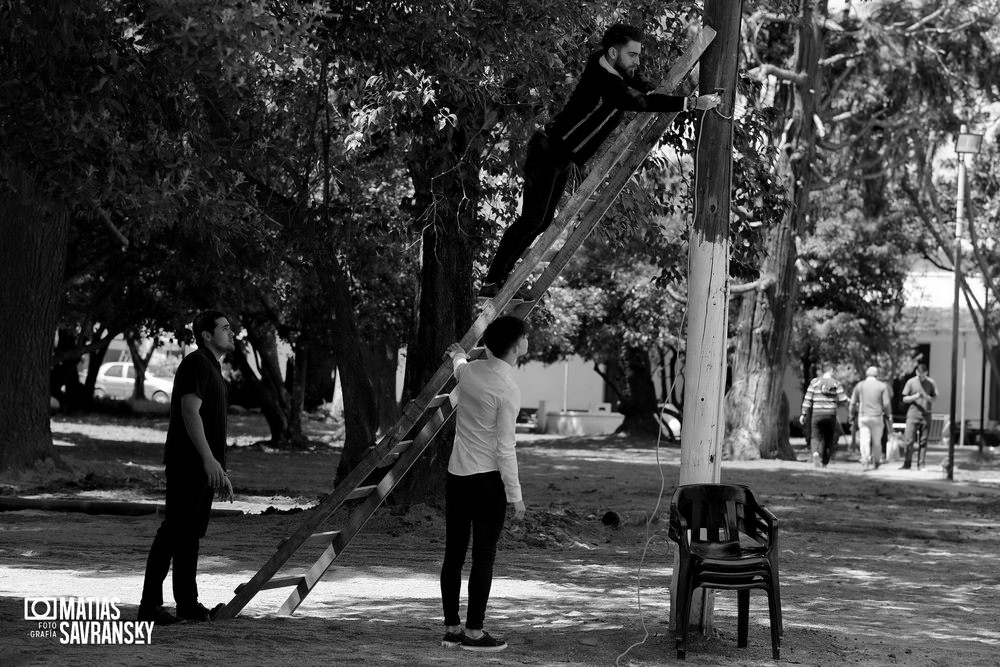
<point>610,84</point>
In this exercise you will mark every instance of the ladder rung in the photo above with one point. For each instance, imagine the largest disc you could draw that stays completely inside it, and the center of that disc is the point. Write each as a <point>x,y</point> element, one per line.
<point>280,582</point>
<point>328,536</point>
<point>283,582</point>
<point>439,400</point>
<point>360,493</point>
<point>399,448</point>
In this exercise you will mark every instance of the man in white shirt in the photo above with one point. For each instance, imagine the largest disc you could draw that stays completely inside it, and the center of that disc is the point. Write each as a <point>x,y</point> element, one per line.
<point>482,477</point>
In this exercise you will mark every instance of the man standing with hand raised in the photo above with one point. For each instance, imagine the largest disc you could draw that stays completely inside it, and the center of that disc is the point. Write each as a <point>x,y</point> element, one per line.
<point>482,477</point>
<point>195,458</point>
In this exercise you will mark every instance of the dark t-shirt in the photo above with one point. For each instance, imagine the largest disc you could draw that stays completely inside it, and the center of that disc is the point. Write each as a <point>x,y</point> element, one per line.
<point>199,374</point>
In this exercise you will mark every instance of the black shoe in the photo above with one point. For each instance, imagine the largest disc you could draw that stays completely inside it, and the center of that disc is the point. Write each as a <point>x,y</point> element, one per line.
<point>196,613</point>
<point>485,644</point>
<point>158,615</point>
<point>453,639</point>
<point>904,467</point>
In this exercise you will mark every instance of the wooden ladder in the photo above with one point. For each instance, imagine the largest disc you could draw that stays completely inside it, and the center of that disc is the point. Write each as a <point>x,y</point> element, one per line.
<point>424,416</point>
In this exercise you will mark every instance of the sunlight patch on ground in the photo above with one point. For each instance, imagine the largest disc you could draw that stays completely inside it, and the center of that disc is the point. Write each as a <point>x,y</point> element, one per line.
<point>144,434</point>
<point>629,456</point>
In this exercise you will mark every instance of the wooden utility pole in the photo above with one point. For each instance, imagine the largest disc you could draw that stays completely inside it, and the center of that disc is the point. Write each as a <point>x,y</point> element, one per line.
<point>708,267</point>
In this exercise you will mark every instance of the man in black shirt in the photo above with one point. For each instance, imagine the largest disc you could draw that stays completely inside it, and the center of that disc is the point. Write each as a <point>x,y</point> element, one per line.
<point>609,86</point>
<point>195,458</point>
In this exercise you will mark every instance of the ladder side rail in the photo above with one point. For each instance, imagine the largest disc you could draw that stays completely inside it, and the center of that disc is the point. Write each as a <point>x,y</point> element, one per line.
<point>315,518</point>
<point>360,516</point>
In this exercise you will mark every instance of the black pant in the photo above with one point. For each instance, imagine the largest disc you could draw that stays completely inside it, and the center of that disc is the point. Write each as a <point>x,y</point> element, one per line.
<point>189,502</point>
<point>476,504</point>
<point>546,170</point>
<point>916,433</point>
<point>824,431</point>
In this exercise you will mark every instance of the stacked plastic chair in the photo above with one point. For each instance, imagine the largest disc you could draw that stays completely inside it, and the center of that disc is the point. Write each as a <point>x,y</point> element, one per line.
<point>726,540</point>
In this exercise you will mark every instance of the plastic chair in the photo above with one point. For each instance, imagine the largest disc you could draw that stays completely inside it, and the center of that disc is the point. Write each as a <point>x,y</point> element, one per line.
<point>727,541</point>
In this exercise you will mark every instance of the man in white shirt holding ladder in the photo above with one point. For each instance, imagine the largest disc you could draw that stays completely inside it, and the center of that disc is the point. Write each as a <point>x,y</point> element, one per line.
<point>482,477</point>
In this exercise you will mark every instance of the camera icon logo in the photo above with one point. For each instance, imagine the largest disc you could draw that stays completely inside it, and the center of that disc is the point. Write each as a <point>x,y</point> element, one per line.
<point>41,609</point>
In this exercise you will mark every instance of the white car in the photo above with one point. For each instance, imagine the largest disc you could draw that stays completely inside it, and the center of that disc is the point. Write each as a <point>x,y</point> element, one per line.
<point>116,379</point>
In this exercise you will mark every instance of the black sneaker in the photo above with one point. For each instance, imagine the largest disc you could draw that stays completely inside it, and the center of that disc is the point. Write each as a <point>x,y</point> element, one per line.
<point>158,615</point>
<point>453,639</point>
<point>196,613</point>
<point>485,644</point>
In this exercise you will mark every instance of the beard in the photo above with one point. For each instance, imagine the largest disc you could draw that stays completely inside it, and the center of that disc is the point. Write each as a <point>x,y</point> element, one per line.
<point>627,72</point>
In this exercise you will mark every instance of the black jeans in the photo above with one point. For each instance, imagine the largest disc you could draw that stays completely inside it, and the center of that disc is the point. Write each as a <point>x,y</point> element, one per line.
<point>189,502</point>
<point>916,433</point>
<point>824,431</point>
<point>546,170</point>
<point>476,504</point>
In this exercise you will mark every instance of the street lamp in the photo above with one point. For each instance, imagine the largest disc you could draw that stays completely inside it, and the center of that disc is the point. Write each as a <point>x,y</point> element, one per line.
<point>967,144</point>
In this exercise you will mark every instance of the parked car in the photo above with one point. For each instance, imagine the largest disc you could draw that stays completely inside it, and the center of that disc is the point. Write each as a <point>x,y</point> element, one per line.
<point>116,379</point>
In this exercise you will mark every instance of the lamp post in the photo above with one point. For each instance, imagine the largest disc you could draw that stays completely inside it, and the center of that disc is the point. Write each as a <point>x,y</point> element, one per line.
<point>967,144</point>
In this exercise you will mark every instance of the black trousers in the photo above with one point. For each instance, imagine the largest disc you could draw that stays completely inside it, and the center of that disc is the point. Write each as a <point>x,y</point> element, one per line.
<point>546,170</point>
<point>823,435</point>
<point>476,504</point>
<point>189,502</point>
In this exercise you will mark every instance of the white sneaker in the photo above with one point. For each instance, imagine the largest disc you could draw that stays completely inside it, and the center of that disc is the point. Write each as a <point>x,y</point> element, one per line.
<point>817,463</point>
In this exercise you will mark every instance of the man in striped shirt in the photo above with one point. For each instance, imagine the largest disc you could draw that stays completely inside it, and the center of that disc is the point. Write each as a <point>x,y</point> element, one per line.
<point>609,85</point>
<point>819,410</point>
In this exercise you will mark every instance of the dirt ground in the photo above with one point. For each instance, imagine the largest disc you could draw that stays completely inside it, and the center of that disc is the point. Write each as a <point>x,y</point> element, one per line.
<point>881,568</point>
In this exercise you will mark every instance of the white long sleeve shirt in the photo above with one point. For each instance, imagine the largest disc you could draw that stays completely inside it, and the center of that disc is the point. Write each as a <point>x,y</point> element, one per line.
<point>488,403</point>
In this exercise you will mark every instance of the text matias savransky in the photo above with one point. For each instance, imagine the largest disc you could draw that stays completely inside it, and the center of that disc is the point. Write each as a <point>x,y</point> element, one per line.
<point>74,620</point>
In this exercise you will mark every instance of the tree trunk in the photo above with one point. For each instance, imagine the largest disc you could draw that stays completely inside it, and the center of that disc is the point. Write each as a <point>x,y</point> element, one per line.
<point>767,317</point>
<point>320,381</point>
<point>32,260</point>
<point>275,400</point>
<point>64,382</point>
<point>96,358</point>
<point>445,175</point>
<point>639,405</point>
<point>383,362</point>
<point>139,363</point>
<point>359,397</point>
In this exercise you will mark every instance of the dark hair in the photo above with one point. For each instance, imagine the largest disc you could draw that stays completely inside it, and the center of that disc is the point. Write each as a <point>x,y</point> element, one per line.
<point>620,33</point>
<point>205,321</point>
<point>921,367</point>
<point>503,334</point>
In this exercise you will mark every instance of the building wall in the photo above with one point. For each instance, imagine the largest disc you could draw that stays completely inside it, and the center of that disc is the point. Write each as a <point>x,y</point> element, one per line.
<point>572,385</point>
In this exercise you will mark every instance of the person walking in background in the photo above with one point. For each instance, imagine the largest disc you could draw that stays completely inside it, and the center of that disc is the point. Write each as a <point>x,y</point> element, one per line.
<point>195,458</point>
<point>609,85</point>
<point>819,409</point>
<point>482,477</point>
<point>870,401</point>
<point>919,393</point>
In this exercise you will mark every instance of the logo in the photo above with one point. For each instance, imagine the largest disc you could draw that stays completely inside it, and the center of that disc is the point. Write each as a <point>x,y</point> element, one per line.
<point>40,609</point>
<point>74,620</point>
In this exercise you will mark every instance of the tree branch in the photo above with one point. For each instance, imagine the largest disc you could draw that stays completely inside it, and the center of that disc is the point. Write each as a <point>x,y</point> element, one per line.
<point>766,70</point>
<point>759,285</point>
<point>115,232</point>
